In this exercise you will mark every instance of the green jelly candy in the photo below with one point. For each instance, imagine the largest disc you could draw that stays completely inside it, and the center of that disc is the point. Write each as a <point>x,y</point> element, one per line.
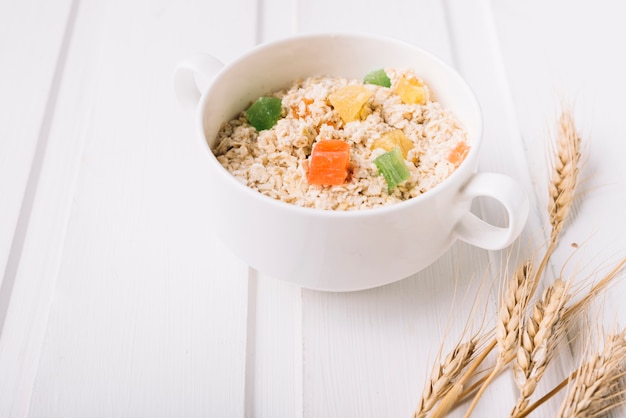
<point>392,166</point>
<point>264,112</point>
<point>378,77</point>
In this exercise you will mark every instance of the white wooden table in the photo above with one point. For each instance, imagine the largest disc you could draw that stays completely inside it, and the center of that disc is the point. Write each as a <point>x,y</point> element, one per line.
<point>116,299</point>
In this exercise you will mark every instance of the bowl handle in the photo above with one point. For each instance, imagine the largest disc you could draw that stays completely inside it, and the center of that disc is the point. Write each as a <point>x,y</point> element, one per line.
<point>510,194</point>
<point>192,77</point>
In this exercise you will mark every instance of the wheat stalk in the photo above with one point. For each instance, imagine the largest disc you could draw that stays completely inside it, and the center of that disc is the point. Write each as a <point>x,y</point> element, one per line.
<point>540,334</point>
<point>451,398</point>
<point>511,309</point>
<point>542,330</point>
<point>565,164</point>
<point>597,387</point>
<point>569,314</point>
<point>561,192</point>
<point>562,186</point>
<point>565,169</point>
<point>523,285</point>
<point>443,376</point>
<point>547,396</point>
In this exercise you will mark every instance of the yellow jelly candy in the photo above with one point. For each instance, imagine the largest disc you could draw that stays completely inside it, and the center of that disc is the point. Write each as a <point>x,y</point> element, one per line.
<point>411,91</point>
<point>390,140</point>
<point>349,100</point>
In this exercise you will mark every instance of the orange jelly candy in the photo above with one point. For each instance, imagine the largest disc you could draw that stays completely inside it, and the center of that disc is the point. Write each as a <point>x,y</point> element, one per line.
<point>329,164</point>
<point>458,154</point>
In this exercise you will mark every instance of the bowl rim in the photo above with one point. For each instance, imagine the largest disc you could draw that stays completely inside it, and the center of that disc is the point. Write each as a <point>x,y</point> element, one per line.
<point>225,175</point>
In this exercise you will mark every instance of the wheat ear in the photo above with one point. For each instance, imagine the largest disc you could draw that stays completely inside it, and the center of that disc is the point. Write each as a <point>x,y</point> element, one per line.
<point>450,399</point>
<point>597,384</point>
<point>565,168</point>
<point>520,289</point>
<point>510,312</point>
<point>444,375</point>
<point>562,186</point>
<point>511,307</point>
<point>540,335</point>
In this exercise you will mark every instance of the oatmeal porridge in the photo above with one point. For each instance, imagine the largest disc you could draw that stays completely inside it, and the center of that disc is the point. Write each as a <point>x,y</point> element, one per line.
<point>339,144</point>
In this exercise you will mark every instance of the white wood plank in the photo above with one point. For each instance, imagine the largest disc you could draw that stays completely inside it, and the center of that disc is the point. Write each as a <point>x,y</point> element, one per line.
<point>556,62</point>
<point>118,306</point>
<point>532,80</point>
<point>407,20</point>
<point>274,380</point>
<point>274,368</point>
<point>28,29</point>
<point>369,353</point>
<point>29,80</point>
<point>567,64</point>
<point>276,19</point>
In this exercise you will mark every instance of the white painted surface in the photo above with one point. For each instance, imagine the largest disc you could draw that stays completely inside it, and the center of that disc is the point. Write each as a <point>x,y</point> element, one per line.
<point>28,91</point>
<point>116,299</point>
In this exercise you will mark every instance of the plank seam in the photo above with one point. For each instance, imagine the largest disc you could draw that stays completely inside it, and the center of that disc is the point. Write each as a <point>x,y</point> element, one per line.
<point>250,350</point>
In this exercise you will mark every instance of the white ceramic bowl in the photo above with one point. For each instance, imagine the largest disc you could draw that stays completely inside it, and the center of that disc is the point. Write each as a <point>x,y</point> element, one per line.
<point>341,251</point>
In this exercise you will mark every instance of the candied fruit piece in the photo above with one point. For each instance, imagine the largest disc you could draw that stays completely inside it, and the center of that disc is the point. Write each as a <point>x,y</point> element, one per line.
<point>396,138</point>
<point>378,77</point>
<point>329,164</point>
<point>411,91</point>
<point>349,100</point>
<point>392,166</point>
<point>264,112</point>
<point>458,154</point>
